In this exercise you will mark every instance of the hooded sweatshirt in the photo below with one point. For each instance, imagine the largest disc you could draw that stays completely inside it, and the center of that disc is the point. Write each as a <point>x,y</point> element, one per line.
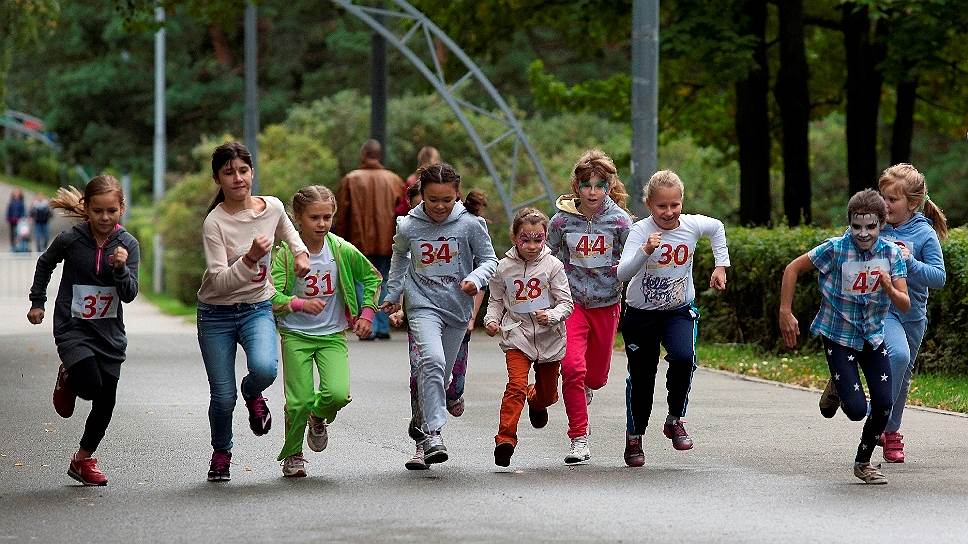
<point>430,260</point>
<point>590,249</point>
<point>518,289</point>
<point>925,263</point>
<point>88,317</point>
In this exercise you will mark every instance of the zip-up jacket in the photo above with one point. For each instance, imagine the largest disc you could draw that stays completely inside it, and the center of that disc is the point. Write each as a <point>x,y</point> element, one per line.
<point>518,282</point>
<point>94,288</point>
<point>925,264</point>
<point>596,286</point>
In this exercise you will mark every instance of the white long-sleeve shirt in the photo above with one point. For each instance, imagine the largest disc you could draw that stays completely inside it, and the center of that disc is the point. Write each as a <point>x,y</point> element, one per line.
<point>663,280</point>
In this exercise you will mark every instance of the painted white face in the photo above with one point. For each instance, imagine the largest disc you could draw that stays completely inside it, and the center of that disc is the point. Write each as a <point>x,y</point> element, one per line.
<point>865,228</point>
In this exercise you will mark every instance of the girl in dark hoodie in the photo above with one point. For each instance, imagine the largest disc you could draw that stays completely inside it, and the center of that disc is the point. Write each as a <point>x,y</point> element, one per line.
<point>100,272</point>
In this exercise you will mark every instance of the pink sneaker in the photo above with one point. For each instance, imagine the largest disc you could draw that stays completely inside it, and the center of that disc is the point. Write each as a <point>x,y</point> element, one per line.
<point>893,447</point>
<point>86,472</point>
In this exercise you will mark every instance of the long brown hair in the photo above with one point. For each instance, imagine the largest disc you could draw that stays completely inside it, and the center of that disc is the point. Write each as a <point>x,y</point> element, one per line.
<point>223,154</point>
<point>73,202</point>
<point>912,185</point>
<point>595,162</point>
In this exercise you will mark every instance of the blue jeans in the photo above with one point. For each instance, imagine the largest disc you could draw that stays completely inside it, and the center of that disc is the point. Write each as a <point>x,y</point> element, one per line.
<point>903,340</point>
<point>381,322</point>
<point>41,236</point>
<point>220,329</point>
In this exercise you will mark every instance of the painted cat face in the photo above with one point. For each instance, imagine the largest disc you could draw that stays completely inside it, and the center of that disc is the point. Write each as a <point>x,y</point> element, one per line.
<point>864,229</point>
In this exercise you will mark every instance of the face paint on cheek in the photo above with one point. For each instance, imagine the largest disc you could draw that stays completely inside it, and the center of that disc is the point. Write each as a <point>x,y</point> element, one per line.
<point>865,228</point>
<point>538,237</point>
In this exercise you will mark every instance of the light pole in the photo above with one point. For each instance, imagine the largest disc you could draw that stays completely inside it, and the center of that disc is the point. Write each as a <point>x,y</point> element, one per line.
<point>645,97</point>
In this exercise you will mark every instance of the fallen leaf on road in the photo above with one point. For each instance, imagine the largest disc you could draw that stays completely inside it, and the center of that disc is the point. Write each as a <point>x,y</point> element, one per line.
<point>18,464</point>
<point>248,469</point>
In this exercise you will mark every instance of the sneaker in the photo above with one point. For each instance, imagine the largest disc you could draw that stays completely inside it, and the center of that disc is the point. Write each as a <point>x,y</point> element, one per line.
<point>86,472</point>
<point>417,462</point>
<point>415,432</point>
<point>869,473</point>
<point>893,447</point>
<point>579,451</point>
<point>382,336</point>
<point>64,398</point>
<point>434,449</point>
<point>589,395</point>
<point>316,435</point>
<point>218,471</point>
<point>260,420</point>
<point>829,400</point>
<point>634,456</point>
<point>294,466</point>
<point>456,407</point>
<point>677,433</point>
<point>539,418</point>
<point>503,453</point>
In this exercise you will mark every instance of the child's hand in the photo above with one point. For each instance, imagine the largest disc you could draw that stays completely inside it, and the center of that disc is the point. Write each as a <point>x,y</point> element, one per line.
<point>718,279</point>
<point>653,242</point>
<point>119,258</point>
<point>363,328</point>
<point>885,281</point>
<point>389,307</point>
<point>313,306</point>
<point>905,252</point>
<point>396,319</point>
<point>790,328</point>
<point>492,328</point>
<point>260,246</point>
<point>35,316</point>
<point>468,288</point>
<point>541,317</point>
<point>300,264</point>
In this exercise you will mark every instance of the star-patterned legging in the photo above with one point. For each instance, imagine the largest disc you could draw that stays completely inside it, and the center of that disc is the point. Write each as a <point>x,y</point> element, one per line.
<point>843,363</point>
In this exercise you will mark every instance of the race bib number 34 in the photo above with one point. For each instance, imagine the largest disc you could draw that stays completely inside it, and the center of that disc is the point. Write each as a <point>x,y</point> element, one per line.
<point>435,257</point>
<point>589,250</point>
<point>863,277</point>
<point>94,302</point>
<point>527,294</point>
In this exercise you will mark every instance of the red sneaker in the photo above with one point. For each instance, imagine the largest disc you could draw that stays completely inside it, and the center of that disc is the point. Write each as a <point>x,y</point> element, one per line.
<point>677,433</point>
<point>64,398</point>
<point>893,447</point>
<point>86,472</point>
<point>260,420</point>
<point>634,456</point>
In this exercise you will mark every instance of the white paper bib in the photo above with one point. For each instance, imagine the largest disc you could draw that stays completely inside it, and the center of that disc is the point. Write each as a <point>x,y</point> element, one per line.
<point>528,294</point>
<point>319,283</point>
<point>863,277</point>
<point>95,302</point>
<point>435,257</point>
<point>589,250</point>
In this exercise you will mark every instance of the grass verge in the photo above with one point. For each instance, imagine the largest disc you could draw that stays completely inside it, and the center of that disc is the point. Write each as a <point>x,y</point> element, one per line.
<point>169,305</point>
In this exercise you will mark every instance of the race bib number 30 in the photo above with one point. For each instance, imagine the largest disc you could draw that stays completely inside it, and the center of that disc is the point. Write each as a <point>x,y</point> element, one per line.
<point>589,250</point>
<point>94,302</point>
<point>863,277</point>
<point>319,283</point>
<point>435,257</point>
<point>527,294</point>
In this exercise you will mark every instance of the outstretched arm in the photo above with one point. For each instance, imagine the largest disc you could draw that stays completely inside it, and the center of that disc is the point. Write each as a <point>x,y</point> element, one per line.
<point>789,326</point>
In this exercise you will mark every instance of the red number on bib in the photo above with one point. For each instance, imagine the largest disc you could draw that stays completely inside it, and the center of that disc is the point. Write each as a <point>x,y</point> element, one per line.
<point>90,307</point>
<point>427,255</point>
<point>582,246</point>
<point>107,306</point>
<point>533,286</point>
<point>599,245</point>
<point>328,281</point>
<point>261,276</point>
<point>311,288</point>
<point>678,254</point>
<point>877,282</point>
<point>860,284</point>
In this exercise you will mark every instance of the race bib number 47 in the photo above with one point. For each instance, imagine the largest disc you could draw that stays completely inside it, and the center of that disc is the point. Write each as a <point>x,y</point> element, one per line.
<point>863,277</point>
<point>435,257</point>
<point>589,250</point>
<point>94,302</point>
<point>527,294</point>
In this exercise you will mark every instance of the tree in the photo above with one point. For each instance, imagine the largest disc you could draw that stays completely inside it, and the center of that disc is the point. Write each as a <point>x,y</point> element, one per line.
<point>22,22</point>
<point>793,98</point>
<point>752,120</point>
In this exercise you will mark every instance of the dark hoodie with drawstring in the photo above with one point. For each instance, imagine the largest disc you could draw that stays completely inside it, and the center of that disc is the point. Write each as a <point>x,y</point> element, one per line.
<point>86,263</point>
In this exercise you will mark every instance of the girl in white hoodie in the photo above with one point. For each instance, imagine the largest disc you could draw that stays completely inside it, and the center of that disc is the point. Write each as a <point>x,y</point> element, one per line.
<point>530,299</point>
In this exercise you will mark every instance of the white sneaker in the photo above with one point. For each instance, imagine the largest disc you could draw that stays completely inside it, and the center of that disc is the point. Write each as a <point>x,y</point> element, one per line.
<point>589,395</point>
<point>869,473</point>
<point>294,466</point>
<point>317,437</point>
<point>579,451</point>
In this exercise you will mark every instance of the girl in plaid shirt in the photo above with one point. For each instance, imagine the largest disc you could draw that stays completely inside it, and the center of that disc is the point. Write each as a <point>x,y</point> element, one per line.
<point>860,276</point>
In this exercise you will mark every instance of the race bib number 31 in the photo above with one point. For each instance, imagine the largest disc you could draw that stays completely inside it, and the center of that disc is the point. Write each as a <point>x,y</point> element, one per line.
<point>589,250</point>
<point>94,302</point>
<point>527,294</point>
<point>435,257</point>
<point>319,283</point>
<point>863,277</point>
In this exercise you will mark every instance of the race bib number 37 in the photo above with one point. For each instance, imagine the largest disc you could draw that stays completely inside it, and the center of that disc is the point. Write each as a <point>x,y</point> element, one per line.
<point>435,257</point>
<point>94,302</point>
<point>589,250</point>
<point>527,294</point>
<point>863,277</point>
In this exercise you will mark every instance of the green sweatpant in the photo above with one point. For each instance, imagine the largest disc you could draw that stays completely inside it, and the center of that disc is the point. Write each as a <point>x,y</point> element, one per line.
<point>331,357</point>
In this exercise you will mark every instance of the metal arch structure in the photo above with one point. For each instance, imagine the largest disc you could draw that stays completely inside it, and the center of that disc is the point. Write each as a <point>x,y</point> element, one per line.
<point>421,24</point>
<point>30,126</point>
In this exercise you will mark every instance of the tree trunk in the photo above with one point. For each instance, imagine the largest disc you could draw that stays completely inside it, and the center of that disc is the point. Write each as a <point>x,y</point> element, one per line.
<point>864,81</point>
<point>793,98</point>
<point>903,128</point>
<point>752,122</point>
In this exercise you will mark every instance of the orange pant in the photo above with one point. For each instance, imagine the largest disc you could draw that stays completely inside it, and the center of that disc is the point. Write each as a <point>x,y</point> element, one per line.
<point>542,394</point>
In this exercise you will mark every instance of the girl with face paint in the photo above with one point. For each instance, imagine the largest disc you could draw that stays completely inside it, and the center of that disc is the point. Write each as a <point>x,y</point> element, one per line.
<point>530,299</point>
<point>860,275</point>
<point>587,235</point>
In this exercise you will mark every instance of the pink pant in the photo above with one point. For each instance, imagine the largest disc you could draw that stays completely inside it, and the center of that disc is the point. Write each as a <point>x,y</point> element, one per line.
<point>588,357</point>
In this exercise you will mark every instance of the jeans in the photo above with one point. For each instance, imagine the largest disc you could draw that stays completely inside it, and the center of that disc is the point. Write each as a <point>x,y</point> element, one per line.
<point>220,329</point>
<point>903,340</point>
<point>41,236</point>
<point>381,322</point>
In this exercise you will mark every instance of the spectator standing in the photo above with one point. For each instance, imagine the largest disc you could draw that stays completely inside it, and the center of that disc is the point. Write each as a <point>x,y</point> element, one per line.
<point>40,214</point>
<point>15,211</point>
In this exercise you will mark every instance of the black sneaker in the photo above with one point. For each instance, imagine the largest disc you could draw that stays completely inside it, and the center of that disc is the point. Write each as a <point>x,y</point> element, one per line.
<point>260,420</point>
<point>434,449</point>
<point>539,418</point>
<point>218,471</point>
<point>829,400</point>
<point>503,453</point>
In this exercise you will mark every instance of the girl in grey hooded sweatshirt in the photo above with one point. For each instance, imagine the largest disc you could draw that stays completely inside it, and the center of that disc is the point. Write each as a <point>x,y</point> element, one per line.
<point>442,256</point>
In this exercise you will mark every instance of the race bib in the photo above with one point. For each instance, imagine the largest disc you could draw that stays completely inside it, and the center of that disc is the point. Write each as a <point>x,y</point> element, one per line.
<point>95,302</point>
<point>901,243</point>
<point>863,277</point>
<point>589,250</point>
<point>435,257</point>
<point>319,283</point>
<point>528,294</point>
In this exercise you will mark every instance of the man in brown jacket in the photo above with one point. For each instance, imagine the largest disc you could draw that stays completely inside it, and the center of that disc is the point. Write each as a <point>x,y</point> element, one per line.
<point>365,216</point>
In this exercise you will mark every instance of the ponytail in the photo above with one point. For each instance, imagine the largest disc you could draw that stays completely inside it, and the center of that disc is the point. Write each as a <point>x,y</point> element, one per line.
<point>937,217</point>
<point>71,201</point>
<point>219,198</point>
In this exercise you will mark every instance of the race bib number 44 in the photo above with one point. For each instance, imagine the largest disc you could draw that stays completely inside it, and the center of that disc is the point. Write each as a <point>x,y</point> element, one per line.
<point>319,283</point>
<point>589,250</point>
<point>435,257</point>
<point>95,302</point>
<point>863,277</point>
<point>527,294</point>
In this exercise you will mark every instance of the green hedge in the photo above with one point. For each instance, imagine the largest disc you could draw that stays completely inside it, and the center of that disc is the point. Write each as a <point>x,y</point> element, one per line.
<point>747,311</point>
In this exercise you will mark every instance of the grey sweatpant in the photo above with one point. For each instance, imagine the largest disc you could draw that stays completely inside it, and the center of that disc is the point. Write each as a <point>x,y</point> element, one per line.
<point>438,342</point>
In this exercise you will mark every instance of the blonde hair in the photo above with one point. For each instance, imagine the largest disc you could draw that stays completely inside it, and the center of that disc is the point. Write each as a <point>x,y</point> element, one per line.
<point>427,155</point>
<point>912,185</point>
<point>311,195</point>
<point>531,216</point>
<point>595,162</point>
<point>74,203</point>
<point>663,179</point>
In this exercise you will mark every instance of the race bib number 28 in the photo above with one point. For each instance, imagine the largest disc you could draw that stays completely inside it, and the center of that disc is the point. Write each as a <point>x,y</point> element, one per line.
<point>863,277</point>
<point>94,302</point>
<point>527,294</point>
<point>435,257</point>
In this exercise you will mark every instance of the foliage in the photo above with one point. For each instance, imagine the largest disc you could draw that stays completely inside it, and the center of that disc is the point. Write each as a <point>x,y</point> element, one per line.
<point>22,22</point>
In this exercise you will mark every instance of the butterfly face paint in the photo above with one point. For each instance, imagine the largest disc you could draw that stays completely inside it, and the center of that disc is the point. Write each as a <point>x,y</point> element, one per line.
<point>591,194</point>
<point>864,229</point>
<point>530,240</point>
